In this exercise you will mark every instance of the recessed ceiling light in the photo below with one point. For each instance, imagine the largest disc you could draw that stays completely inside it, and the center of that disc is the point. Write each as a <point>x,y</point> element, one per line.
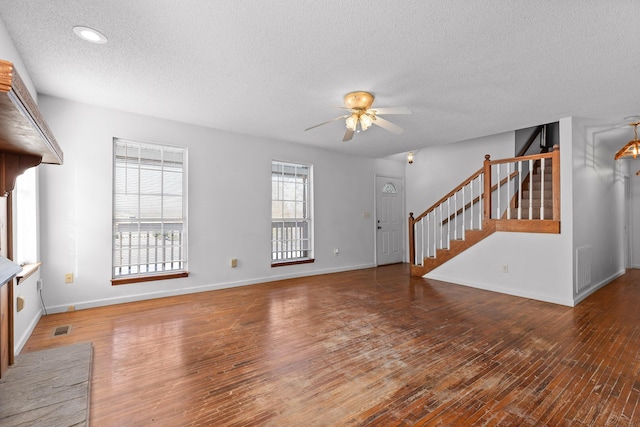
<point>90,35</point>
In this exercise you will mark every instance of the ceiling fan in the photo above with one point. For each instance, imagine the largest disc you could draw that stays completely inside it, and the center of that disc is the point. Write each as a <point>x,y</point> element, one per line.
<point>360,112</point>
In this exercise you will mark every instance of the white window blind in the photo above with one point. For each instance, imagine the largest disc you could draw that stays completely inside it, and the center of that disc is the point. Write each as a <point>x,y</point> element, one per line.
<point>291,228</point>
<point>149,209</point>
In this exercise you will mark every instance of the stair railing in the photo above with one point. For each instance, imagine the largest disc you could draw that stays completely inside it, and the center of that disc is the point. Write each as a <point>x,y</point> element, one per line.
<point>448,218</point>
<point>477,199</point>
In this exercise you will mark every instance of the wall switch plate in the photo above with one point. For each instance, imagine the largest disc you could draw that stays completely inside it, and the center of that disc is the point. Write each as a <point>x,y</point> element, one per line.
<point>234,262</point>
<point>68,278</point>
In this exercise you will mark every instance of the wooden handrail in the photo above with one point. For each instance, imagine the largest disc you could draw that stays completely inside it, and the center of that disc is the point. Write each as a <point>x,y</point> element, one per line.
<point>530,141</point>
<point>449,194</point>
<point>524,158</point>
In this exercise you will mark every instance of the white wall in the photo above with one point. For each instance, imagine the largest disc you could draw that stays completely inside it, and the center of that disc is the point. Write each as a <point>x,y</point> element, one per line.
<point>229,206</point>
<point>481,265</point>
<point>598,203</point>
<point>635,220</point>
<point>439,169</point>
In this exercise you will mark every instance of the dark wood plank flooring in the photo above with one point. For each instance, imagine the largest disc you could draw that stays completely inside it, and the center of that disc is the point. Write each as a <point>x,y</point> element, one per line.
<point>367,347</point>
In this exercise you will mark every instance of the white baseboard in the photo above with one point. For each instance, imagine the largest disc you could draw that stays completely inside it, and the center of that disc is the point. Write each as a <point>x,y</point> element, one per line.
<point>81,305</point>
<point>581,297</point>
<point>508,291</point>
<point>19,344</point>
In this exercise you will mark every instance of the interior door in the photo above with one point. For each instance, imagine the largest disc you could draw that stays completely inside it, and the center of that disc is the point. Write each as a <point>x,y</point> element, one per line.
<point>389,220</point>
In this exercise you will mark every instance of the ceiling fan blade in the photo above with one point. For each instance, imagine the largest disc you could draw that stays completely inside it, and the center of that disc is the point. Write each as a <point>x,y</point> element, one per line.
<point>348,135</point>
<point>391,110</point>
<point>387,125</point>
<point>324,123</point>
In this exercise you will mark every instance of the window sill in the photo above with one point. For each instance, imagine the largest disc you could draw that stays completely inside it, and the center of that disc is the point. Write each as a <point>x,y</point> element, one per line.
<point>27,270</point>
<point>298,261</point>
<point>139,279</point>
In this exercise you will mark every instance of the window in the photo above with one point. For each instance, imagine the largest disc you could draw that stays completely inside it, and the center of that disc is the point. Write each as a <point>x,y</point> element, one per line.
<point>389,188</point>
<point>24,199</point>
<point>149,212</point>
<point>291,228</point>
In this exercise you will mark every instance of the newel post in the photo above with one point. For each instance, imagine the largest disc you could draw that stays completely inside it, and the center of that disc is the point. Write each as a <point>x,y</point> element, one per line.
<point>412,245</point>
<point>555,173</point>
<point>487,187</point>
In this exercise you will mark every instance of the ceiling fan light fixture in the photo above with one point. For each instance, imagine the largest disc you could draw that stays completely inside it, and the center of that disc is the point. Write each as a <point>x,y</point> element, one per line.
<point>359,109</point>
<point>365,121</point>
<point>352,122</point>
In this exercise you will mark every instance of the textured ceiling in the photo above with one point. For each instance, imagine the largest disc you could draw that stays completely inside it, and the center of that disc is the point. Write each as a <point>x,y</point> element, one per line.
<point>273,68</point>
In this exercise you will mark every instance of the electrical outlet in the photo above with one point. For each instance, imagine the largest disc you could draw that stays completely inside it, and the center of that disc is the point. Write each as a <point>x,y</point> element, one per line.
<point>234,262</point>
<point>505,268</point>
<point>71,308</point>
<point>68,278</point>
<point>336,251</point>
<point>39,284</point>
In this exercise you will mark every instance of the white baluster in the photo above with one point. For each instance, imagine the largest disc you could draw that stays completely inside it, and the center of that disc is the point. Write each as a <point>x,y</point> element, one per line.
<point>464,225</point>
<point>481,200</point>
<point>509,190</point>
<point>449,223</point>
<point>435,238</point>
<point>530,189</point>
<point>520,190</point>
<point>498,167</point>
<point>421,243</point>
<point>542,164</point>
<point>471,207</point>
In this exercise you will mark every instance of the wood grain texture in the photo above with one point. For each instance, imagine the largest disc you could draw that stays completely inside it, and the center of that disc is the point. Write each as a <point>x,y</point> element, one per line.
<point>366,347</point>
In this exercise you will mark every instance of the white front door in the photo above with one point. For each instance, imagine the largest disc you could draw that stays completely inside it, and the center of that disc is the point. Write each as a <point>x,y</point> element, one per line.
<point>389,220</point>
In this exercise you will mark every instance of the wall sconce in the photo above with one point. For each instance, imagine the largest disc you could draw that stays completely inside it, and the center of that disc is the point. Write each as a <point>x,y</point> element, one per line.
<point>410,157</point>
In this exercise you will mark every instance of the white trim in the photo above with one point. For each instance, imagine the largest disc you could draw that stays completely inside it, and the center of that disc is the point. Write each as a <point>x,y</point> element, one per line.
<point>195,289</point>
<point>507,291</point>
<point>18,345</point>
<point>579,298</point>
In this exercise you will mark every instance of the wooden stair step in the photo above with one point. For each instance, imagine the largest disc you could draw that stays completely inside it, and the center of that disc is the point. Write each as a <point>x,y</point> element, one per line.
<point>535,214</point>
<point>548,202</point>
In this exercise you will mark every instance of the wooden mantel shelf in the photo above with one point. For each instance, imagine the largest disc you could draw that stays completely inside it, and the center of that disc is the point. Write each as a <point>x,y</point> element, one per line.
<point>25,139</point>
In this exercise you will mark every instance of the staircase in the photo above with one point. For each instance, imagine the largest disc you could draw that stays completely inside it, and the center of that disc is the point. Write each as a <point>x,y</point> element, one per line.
<point>537,194</point>
<point>520,194</point>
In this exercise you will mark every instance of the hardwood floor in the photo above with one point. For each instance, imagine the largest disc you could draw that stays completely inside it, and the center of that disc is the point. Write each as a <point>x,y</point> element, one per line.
<point>367,347</point>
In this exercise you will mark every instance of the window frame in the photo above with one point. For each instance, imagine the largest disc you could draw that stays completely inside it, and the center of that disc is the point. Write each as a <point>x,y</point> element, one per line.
<point>162,274</point>
<point>307,217</point>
